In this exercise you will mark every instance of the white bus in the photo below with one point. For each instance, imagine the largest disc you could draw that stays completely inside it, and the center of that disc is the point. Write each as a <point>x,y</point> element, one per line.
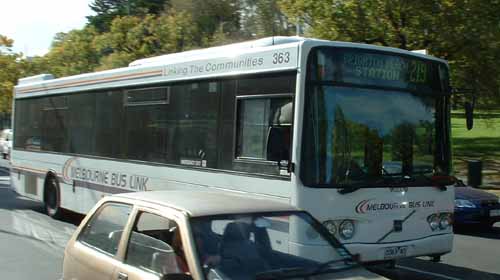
<point>358,135</point>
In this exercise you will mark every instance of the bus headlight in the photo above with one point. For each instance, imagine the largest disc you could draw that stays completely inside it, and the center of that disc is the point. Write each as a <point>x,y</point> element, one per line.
<point>346,229</point>
<point>433,221</point>
<point>444,221</point>
<point>330,226</point>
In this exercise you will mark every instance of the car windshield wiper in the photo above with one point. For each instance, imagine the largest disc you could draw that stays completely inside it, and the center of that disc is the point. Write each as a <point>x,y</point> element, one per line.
<point>325,267</point>
<point>281,273</point>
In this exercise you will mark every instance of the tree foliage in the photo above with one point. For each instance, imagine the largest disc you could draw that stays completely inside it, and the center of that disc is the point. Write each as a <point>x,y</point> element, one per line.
<point>73,53</point>
<point>107,10</point>
<point>131,38</point>
<point>264,18</point>
<point>9,72</point>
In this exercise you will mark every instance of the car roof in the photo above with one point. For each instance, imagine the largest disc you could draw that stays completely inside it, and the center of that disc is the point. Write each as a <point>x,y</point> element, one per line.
<point>205,203</point>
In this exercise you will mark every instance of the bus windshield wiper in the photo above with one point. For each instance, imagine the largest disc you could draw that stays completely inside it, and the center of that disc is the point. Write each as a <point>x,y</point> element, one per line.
<point>348,189</point>
<point>380,182</point>
<point>439,182</point>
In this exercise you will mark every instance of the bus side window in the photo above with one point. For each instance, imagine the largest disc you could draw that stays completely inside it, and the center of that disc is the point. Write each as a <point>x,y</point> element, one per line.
<point>264,127</point>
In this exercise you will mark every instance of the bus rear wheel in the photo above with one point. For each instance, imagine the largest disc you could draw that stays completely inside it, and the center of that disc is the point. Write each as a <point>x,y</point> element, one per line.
<point>51,198</point>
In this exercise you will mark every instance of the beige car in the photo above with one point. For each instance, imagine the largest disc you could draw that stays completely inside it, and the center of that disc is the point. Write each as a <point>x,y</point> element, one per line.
<point>183,235</point>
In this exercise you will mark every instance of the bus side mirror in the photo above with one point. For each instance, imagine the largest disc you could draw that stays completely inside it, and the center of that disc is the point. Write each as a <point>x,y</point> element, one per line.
<point>469,115</point>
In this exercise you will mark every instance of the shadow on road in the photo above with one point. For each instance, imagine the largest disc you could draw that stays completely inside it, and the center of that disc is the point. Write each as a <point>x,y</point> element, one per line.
<point>490,233</point>
<point>9,200</point>
<point>420,269</point>
<point>72,218</point>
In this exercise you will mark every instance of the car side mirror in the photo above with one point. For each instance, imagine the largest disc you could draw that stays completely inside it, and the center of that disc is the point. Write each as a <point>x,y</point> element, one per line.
<point>176,276</point>
<point>469,115</point>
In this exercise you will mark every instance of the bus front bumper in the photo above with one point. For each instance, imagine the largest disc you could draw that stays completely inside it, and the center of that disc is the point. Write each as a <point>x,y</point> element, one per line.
<point>429,246</point>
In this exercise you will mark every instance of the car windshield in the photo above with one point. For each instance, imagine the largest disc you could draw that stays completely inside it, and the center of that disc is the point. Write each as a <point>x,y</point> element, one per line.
<point>266,246</point>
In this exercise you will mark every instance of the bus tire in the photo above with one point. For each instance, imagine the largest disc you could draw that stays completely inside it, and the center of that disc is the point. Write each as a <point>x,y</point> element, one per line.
<point>52,197</point>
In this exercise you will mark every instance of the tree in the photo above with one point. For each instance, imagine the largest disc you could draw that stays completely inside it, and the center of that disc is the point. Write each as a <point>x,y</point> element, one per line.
<point>132,38</point>
<point>9,73</point>
<point>212,17</point>
<point>470,40</point>
<point>73,53</point>
<point>399,23</point>
<point>107,10</point>
<point>262,18</point>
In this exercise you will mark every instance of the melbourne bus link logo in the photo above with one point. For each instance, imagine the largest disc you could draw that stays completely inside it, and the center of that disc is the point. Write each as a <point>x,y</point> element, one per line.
<point>66,170</point>
<point>368,205</point>
<point>113,179</point>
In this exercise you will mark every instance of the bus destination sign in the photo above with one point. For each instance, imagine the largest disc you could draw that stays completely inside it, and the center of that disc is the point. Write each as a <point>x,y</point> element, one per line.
<point>370,68</point>
<point>385,67</point>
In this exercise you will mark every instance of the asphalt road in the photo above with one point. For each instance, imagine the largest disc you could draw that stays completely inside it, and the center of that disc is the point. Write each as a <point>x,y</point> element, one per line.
<point>32,245</point>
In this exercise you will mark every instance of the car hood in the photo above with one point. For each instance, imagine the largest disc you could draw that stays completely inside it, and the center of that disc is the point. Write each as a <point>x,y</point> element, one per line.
<point>473,194</point>
<point>358,273</point>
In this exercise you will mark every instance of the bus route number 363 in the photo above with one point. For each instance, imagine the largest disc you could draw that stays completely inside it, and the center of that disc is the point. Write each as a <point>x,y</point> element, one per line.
<point>281,57</point>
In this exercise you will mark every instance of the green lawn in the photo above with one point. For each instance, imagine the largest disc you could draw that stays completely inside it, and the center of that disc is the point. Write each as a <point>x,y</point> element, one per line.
<point>482,142</point>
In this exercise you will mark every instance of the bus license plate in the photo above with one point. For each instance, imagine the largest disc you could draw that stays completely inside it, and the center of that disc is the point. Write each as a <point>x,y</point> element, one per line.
<point>495,213</point>
<point>395,252</point>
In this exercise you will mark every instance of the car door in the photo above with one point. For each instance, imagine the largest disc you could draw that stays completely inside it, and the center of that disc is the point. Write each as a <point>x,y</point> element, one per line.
<point>152,248</point>
<point>93,255</point>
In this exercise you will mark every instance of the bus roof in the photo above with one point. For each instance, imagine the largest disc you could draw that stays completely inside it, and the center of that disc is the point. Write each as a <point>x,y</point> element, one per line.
<point>263,55</point>
<point>216,51</point>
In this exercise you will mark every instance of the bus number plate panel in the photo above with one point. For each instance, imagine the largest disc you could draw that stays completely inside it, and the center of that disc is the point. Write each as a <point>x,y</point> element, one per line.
<point>395,252</point>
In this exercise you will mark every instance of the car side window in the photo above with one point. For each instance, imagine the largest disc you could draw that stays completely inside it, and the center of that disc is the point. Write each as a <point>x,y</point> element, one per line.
<point>105,228</point>
<point>155,245</point>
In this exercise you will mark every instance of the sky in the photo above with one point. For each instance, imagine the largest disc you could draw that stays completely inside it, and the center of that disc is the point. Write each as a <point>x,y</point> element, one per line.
<point>32,24</point>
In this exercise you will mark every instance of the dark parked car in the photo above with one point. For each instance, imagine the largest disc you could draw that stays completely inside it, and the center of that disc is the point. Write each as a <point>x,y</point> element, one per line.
<point>476,207</point>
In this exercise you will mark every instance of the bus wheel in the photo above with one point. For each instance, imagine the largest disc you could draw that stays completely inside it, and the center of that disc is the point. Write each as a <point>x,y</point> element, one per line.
<point>51,197</point>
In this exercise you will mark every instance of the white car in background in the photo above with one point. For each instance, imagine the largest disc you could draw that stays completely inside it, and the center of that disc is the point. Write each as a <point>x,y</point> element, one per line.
<point>6,143</point>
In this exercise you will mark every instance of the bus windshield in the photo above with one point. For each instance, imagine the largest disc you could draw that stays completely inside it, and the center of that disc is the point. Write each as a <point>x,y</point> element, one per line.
<point>369,137</point>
